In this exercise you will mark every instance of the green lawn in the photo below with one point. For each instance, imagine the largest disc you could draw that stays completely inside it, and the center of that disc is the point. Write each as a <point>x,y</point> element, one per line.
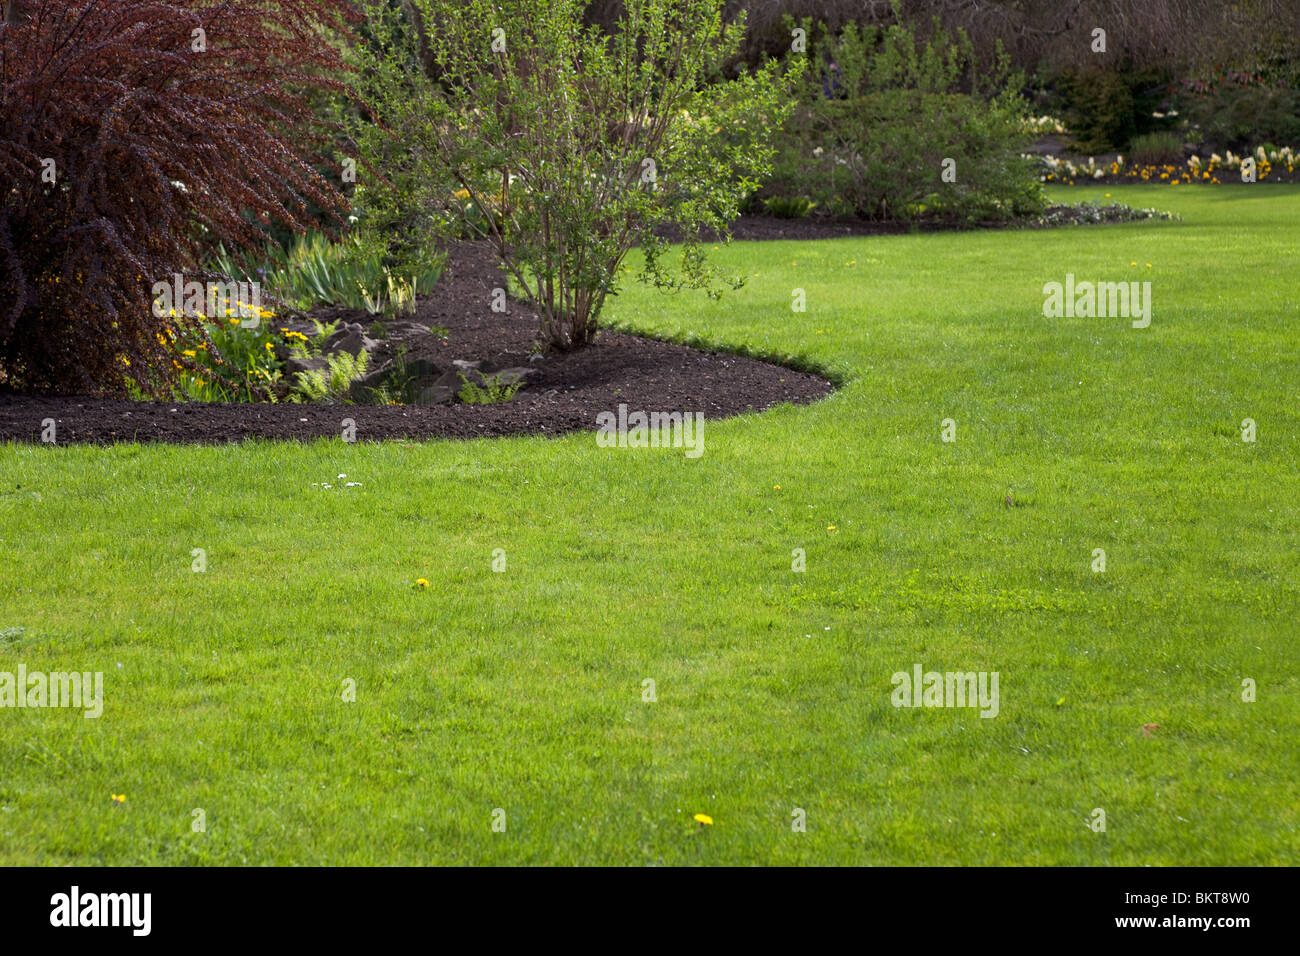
<point>522,690</point>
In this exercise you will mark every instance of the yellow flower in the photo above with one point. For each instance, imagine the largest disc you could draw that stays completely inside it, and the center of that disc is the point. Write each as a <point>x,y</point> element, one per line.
<point>704,820</point>
<point>776,487</point>
<point>421,583</point>
<point>830,527</point>
<point>269,347</point>
<point>189,353</point>
<point>118,797</point>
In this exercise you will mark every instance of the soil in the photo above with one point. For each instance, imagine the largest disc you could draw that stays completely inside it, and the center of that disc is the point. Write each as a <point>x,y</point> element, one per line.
<point>565,394</point>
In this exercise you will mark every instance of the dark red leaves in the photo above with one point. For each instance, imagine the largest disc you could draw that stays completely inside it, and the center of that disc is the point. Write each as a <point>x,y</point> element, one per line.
<point>133,135</point>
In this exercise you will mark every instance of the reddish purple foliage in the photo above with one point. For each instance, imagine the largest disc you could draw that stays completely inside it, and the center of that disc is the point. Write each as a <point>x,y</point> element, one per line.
<point>159,149</point>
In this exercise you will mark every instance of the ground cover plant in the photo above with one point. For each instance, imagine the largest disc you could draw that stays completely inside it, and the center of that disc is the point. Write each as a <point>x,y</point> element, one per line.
<point>271,658</point>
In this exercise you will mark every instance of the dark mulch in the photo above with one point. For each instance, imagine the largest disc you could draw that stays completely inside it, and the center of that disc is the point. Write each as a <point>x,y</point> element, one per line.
<point>566,394</point>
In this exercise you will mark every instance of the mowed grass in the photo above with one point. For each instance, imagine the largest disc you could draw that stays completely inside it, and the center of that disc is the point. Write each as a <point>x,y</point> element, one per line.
<point>523,690</point>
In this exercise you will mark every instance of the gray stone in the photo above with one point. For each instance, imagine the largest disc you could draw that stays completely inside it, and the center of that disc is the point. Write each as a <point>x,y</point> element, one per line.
<point>466,366</point>
<point>351,339</point>
<point>435,395</point>
<point>294,365</point>
<point>360,389</point>
<point>509,376</point>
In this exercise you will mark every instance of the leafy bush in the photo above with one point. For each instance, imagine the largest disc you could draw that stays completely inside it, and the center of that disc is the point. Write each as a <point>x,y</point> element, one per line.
<point>564,146</point>
<point>1156,149</point>
<point>1237,109</point>
<point>1099,108</point>
<point>1107,107</point>
<point>132,132</point>
<point>880,118</point>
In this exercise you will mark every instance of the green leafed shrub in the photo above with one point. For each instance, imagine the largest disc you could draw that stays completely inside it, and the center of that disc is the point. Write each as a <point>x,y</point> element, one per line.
<point>890,128</point>
<point>562,145</point>
<point>490,392</point>
<point>1233,114</point>
<point>1099,108</point>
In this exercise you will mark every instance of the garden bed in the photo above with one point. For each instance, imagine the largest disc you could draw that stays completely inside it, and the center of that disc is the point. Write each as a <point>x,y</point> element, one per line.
<point>564,392</point>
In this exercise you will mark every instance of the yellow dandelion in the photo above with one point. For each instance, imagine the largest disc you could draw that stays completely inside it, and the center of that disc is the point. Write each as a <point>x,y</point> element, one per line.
<point>830,527</point>
<point>776,487</point>
<point>118,797</point>
<point>704,820</point>
<point>421,583</point>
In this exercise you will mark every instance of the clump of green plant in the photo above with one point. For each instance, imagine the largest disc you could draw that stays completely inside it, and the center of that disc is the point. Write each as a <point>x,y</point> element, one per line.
<point>330,385</point>
<point>351,273</point>
<point>789,207</point>
<point>1156,149</point>
<point>491,392</point>
<point>563,145</point>
<point>234,363</point>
